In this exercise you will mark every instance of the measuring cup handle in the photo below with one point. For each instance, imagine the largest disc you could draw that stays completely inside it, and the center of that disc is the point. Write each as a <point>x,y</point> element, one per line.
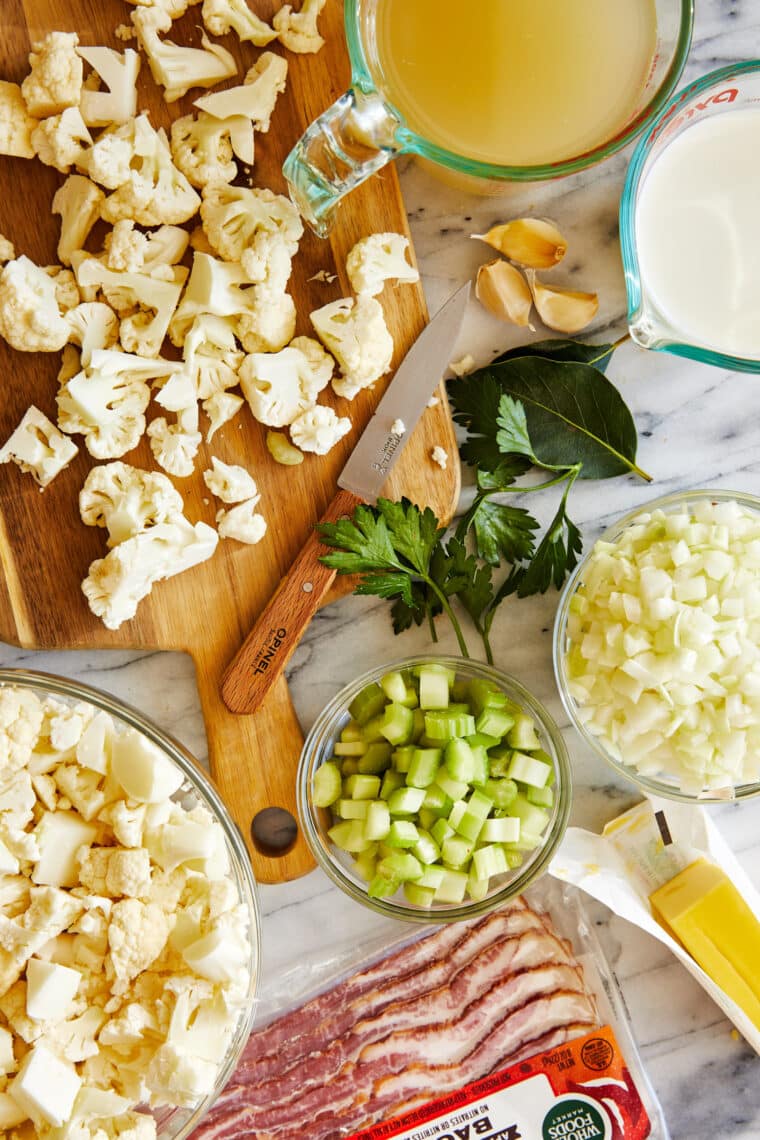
<point>352,139</point>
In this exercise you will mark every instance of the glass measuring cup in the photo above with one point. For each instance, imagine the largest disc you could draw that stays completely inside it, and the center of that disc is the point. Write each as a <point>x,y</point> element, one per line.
<point>362,131</point>
<point>718,93</point>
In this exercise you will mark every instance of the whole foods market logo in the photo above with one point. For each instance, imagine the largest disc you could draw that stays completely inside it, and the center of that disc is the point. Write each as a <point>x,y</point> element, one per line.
<point>576,1118</point>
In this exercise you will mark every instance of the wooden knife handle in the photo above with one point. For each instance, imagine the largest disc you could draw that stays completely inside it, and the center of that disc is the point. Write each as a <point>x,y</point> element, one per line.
<point>269,646</point>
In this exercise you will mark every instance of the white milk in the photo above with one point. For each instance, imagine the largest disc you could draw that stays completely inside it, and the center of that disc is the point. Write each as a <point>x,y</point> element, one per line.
<point>698,233</point>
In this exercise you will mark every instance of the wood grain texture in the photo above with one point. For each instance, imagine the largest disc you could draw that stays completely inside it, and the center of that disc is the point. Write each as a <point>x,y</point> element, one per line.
<point>45,550</point>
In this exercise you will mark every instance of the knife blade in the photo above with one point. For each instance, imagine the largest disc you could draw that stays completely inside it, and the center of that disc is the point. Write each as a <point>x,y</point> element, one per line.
<point>269,646</point>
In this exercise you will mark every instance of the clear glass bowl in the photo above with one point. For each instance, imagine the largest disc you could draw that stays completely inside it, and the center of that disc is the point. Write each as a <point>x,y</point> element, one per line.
<point>339,865</point>
<point>665,786</point>
<point>196,790</point>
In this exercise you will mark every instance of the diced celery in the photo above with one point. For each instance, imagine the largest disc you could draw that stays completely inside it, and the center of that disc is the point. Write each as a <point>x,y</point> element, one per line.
<point>418,724</point>
<point>434,687</point>
<point>350,747</point>
<point>477,889</point>
<point>427,817</point>
<point>479,691</point>
<point>426,849</point>
<point>378,820</point>
<point>349,836</point>
<point>406,800</point>
<point>522,735</point>
<point>480,762</point>
<point>539,754</point>
<point>424,767</point>
<point>402,833</point>
<point>326,785</point>
<point>436,800</point>
<point>362,787</point>
<point>454,789</point>
<point>533,819</point>
<point>391,781</point>
<point>351,732</point>
<point>452,887</point>
<point>419,896</point>
<point>441,830</point>
<point>459,761</point>
<point>504,830</point>
<point>498,761</point>
<point>376,759</point>
<point>494,721</point>
<point>401,758</point>
<point>541,797</point>
<point>400,865</point>
<point>382,888</point>
<point>365,864</point>
<point>502,792</point>
<point>528,841</point>
<point>432,876</point>
<point>353,809</point>
<point>458,808</point>
<point>455,851</point>
<point>367,704</point>
<point>398,722</point>
<point>349,766</point>
<point>373,729</point>
<point>528,770</point>
<point>483,740</point>
<point>489,861</point>
<point>479,804</point>
<point>394,686</point>
<point>514,858</point>
<point>447,724</point>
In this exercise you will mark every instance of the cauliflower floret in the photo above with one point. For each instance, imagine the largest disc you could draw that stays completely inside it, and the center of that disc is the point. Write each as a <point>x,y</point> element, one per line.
<point>55,80</point>
<point>78,201</point>
<point>220,16</point>
<point>17,798</point>
<point>119,70</point>
<point>202,150</point>
<point>126,820</point>
<point>61,140</point>
<point>66,290</point>
<point>82,787</point>
<point>166,246</point>
<point>94,325</point>
<point>7,250</point>
<point>140,332</point>
<point>134,161</point>
<point>377,259</point>
<point>280,386</point>
<point>297,31</point>
<point>318,429</point>
<point>242,523</point>
<point>128,873</point>
<point>50,912</point>
<point>174,1077</point>
<point>30,319</point>
<point>137,934</point>
<point>173,447</point>
<point>116,584</point>
<point>211,355</point>
<point>76,1039</point>
<point>126,247</point>
<point>214,288</point>
<point>16,124</point>
<point>126,500</point>
<point>173,8</point>
<point>270,323</point>
<point>229,482</point>
<point>38,447</point>
<point>220,409</point>
<point>234,215</point>
<point>177,68</point>
<point>253,101</point>
<point>106,402</point>
<point>358,337</point>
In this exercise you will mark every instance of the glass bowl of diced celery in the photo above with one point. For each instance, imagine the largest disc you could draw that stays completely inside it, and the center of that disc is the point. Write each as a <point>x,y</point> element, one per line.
<point>657,646</point>
<point>79,746</point>
<point>434,788</point>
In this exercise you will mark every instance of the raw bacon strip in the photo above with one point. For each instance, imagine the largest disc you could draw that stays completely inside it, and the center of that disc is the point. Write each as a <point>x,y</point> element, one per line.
<point>311,1025</point>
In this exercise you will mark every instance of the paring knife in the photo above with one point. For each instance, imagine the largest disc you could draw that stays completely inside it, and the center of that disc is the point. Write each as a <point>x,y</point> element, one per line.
<point>270,644</point>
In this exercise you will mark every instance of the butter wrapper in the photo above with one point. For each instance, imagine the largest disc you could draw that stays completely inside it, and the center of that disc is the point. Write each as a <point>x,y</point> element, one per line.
<point>641,850</point>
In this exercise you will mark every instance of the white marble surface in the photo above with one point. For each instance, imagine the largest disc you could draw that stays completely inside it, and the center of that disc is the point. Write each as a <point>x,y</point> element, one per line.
<point>699,427</point>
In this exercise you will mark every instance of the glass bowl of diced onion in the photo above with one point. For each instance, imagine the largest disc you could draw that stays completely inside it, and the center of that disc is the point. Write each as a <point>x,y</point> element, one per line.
<point>434,788</point>
<point>191,789</point>
<point>657,646</point>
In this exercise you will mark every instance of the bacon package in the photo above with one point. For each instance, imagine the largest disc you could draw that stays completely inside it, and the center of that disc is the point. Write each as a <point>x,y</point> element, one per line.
<point>493,1028</point>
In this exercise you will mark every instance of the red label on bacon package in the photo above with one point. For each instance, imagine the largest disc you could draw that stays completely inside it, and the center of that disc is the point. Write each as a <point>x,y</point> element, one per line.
<point>582,1090</point>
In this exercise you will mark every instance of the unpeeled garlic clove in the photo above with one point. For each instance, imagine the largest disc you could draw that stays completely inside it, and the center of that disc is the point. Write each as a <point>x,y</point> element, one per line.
<point>528,241</point>
<point>563,310</point>
<point>503,290</point>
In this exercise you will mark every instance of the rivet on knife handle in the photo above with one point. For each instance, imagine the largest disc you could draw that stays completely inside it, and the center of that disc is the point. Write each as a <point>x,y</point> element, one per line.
<point>272,641</point>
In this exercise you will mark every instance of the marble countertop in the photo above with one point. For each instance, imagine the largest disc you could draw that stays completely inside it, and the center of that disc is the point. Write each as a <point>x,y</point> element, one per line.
<point>698,426</point>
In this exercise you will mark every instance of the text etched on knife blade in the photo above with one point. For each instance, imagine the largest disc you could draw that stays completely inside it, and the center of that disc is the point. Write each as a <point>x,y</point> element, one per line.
<point>392,440</point>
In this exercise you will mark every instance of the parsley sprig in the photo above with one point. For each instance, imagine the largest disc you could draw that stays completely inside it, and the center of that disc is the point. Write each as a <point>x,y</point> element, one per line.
<point>550,409</point>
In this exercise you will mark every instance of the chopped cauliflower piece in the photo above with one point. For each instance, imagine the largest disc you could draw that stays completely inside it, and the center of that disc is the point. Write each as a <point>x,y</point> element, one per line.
<point>166,246</point>
<point>30,319</point>
<point>234,215</point>
<point>38,447</point>
<point>127,822</point>
<point>116,584</point>
<point>356,334</point>
<point>20,723</point>
<point>59,835</point>
<point>297,31</point>
<point>7,250</point>
<point>50,990</point>
<point>78,201</point>
<point>174,448</point>
<point>61,140</point>
<point>220,16</point>
<point>66,288</point>
<point>214,288</point>
<point>377,259</point>
<point>141,332</point>
<point>229,482</point>
<point>126,247</point>
<point>128,873</point>
<point>242,523</point>
<point>220,409</point>
<point>179,68</point>
<point>280,386</point>
<point>119,70</point>
<point>16,124</point>
<point>135,162</point>
<point>211,355</point>
<point>270,323</point>
<point>462,366</point>
<point>45,1086</point>
<point>137,934</point>
<point>174,1077</point>
<point>126,500</point>
<point>318,429</point>
<point>440,456</point>
<point>202,150</point>
<point>254,99</point>
<point>94,325</point>
<point>55,80</point>
<point>82,787</point>
<point>398,427</point>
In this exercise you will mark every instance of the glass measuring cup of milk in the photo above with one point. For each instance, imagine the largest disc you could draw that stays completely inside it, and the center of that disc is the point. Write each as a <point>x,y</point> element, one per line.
<point>502,90</point>
<point>690,223</point>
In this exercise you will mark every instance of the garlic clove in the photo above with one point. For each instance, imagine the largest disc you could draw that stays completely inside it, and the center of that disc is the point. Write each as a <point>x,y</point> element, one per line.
<point>503,290</point>
<point>563,310</point>
<point>528,241</point>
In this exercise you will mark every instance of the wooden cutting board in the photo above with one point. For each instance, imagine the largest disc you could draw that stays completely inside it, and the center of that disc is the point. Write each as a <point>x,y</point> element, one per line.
<point>44,548</point>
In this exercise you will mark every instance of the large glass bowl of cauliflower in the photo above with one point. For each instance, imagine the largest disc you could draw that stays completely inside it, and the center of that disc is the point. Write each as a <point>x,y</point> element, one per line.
<point>129,927</point>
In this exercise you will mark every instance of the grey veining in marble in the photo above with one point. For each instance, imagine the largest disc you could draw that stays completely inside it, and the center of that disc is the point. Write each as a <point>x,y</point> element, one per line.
<point>698,426</point>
